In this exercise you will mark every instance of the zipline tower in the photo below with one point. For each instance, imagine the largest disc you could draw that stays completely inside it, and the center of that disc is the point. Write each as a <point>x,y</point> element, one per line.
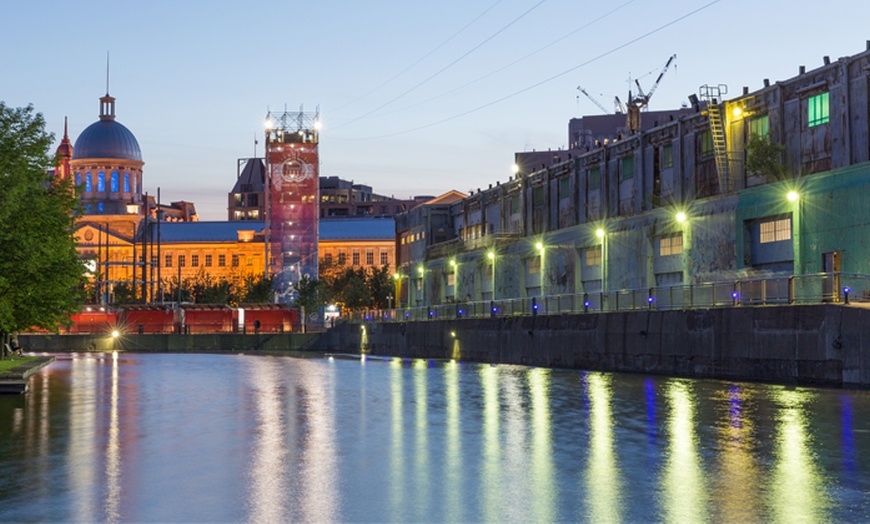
<point>292,203</point>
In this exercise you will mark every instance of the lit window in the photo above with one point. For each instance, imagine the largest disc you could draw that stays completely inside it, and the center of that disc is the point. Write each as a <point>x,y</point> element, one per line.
<point>759,126</point>
<point>775,230</point>
<point>114,182</point>
<point>88,182</point>
<point>672,245</point>
<point>100,206</point>
<point>101,180</point>
<point>78,178</point>
<point>818,110</point>
<point>126,182</point>
<point>593,256</point>
<point>451,278</point>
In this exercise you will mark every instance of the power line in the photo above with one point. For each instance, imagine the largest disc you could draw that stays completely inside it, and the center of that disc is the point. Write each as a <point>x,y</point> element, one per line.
<point>499,70</point>
<point>547,80</point>
<point>424,57</point>
<point>448,66</point>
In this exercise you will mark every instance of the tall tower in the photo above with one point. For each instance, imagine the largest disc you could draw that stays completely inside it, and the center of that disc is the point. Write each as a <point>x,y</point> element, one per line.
<point>64,155</point>
<point>292,173</point>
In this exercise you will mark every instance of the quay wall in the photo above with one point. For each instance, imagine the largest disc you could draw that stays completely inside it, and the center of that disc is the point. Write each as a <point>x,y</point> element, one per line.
<point>806,344</point>
<point>169,343</point>
<point>826,344</point>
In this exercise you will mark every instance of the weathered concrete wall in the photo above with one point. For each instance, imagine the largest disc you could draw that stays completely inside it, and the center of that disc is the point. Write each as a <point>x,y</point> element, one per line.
<point>169,342</point>
<point>815,344</point>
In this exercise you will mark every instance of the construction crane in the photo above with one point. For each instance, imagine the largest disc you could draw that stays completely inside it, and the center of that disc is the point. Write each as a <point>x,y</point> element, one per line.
<point>640,102</point>
<point>594,101</point>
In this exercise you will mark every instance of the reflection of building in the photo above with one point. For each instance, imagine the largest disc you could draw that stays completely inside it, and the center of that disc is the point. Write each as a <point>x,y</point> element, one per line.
<point>674,204</point>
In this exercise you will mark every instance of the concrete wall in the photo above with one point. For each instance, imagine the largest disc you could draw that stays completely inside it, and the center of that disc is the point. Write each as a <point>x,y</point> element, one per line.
<point>169,343</point>
<point>815,344</point>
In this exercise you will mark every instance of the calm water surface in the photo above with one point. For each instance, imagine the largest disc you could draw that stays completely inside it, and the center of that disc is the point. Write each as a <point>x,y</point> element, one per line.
<point>151,437</point>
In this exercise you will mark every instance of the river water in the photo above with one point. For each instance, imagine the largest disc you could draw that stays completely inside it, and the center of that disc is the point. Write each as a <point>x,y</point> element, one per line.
<point>157,437</point>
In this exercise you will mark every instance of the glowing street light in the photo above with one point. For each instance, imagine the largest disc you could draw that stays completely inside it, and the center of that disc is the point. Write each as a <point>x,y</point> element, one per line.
<point>599,233</point>
<point>681,217</point>
<point>792,196</point>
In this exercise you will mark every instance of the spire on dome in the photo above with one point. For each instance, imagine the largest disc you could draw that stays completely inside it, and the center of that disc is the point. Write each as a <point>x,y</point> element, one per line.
<point>107,107</point>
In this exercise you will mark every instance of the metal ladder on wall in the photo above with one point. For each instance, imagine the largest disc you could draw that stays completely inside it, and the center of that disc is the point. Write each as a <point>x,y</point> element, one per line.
<point>712,95</point>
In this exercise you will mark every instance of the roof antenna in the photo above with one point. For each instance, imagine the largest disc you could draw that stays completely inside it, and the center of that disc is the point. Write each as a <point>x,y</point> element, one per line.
<point>107,73</point>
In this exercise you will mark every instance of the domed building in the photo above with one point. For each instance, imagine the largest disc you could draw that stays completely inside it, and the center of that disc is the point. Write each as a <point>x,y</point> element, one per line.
<point>107,164</point>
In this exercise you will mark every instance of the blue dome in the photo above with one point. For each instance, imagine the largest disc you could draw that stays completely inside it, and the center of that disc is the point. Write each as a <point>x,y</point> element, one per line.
<point>107,139</point>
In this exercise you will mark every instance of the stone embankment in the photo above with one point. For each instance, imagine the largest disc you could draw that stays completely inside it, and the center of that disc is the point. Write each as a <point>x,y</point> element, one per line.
<point>812,344</point>
<point>826,344</point>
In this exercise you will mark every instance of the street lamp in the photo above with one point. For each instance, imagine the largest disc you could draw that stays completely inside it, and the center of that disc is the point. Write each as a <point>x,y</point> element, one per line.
<point>398,278</point>
<point>540,247</point>
<point>455,279</point>
<point>602,235</point>
<point>491,256</point>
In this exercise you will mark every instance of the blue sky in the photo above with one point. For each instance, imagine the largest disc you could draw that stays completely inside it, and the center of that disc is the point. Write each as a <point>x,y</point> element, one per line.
<point>415,97</point>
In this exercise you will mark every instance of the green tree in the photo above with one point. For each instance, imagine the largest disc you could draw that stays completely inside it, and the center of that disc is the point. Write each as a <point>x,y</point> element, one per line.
<point>309,295</point>
<point>764,157</point>
<point>41,276</point>
<point>255,289</point>
<point>380,284</point>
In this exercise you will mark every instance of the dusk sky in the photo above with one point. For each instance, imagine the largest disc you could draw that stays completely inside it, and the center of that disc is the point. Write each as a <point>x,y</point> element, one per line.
<point>416,98</point>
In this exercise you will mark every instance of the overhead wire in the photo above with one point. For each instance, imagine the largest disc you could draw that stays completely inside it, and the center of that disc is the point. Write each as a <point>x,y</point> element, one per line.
<point>448,66</point>
<point>424,57</point>
<point>515,62</point>
<point>545,81</point>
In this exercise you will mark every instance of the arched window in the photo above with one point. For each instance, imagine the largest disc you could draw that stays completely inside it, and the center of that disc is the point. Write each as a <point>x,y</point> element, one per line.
<point>114,184</point>
<point>126,182</point>
<point>89,186</point>
<point>100,207</point>
<point>78,178</point>
<point>101,180</point>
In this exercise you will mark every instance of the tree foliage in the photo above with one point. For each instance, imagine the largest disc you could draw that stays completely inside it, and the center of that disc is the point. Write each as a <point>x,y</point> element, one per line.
<point>764,157</point>
<point>348,287</point>
<point>41,276</point>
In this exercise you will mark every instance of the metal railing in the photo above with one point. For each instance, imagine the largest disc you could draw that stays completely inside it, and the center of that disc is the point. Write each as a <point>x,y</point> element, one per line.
<point>766,291</point>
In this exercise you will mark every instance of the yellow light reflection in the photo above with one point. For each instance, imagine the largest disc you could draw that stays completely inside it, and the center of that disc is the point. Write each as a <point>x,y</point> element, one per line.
<point>602,476</point>
<point>397,440</point>
<point>798,491</point>
<point>515,492</point>
<point>543,489</point>
<point>453,451</point>
<point>738,476</point>
<point>685,493</point>
<point>113,452</point>
<point>82,457</point>
<point>423,475</point>
<point>491,503</point>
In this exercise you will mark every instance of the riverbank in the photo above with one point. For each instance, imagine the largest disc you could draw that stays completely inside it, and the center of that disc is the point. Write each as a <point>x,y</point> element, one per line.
<point>825,344</point>
<point>13,378</point>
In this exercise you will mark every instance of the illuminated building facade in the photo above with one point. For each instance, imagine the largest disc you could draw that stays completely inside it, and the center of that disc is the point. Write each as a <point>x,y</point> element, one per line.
<point>292,167</point>
<point>680,203</point>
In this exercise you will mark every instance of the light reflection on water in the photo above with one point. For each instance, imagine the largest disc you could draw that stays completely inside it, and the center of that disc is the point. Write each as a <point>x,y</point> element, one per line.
<point>270,439</point>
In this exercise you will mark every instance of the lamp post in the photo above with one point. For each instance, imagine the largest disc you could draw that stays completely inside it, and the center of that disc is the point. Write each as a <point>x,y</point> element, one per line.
<point>542,275</point>
<point>422,273</point>
<point>455,269</point>
<point>491,256</point>
<point>602,235</point>
<point>398,278</point>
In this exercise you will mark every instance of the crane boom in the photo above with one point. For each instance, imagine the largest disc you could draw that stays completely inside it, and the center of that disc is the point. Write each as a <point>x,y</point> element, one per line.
<point>590,97</point>
<point>659,79</point>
